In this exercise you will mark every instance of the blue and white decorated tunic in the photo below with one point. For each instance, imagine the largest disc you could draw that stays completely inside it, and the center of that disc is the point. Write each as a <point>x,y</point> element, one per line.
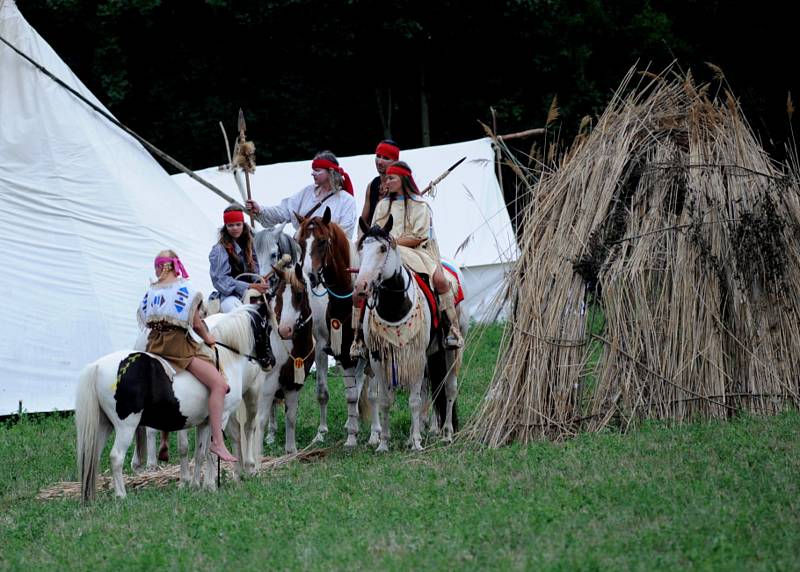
<point>174,303</point>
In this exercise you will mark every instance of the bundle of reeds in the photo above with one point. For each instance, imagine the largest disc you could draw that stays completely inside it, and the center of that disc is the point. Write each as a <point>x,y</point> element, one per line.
<point>671,221</point>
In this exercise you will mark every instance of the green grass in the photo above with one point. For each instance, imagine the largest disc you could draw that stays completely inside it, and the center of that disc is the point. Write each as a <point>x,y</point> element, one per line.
<point>713,496</point>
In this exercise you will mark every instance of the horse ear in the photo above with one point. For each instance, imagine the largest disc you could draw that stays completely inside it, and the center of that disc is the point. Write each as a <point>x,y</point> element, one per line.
<point>326,218</point>
<point>362,225</point>
<point>300,218</point>
<point>298,271</point>
<point>388,226</point>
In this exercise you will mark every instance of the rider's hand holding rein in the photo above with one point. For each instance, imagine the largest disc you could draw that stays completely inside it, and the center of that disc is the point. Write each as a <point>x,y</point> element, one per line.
<point>252,206</point>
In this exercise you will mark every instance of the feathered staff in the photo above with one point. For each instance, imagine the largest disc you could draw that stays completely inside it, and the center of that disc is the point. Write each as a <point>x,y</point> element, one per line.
<point>244,159</point>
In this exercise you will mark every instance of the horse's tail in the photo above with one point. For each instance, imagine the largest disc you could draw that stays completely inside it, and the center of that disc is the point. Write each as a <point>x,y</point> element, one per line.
<point>87,423</point>
<point>364,405</point>
<point>437,374</point>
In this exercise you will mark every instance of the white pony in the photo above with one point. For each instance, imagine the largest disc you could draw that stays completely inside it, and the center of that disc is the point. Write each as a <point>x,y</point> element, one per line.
<point>400,339</point>
<point>124,389</point>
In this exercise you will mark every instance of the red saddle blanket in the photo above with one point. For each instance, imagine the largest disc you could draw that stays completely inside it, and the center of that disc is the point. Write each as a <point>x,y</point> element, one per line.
<point>459,297</point>
<point>430,296</point>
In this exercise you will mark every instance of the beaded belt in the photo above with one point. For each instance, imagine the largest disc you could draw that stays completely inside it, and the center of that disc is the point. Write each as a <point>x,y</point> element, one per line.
<point>163,327</point>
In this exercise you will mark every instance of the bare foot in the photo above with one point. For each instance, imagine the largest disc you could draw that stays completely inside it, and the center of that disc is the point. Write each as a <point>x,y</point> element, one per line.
<point>222,452</point>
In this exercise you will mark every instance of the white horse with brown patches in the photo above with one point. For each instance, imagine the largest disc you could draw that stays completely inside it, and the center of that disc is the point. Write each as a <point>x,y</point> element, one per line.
<point>292,342</point>
<point>402,344</point>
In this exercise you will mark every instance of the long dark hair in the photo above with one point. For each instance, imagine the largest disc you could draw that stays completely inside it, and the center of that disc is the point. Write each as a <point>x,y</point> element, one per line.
<point>409,187</point>
<point>245,242</point>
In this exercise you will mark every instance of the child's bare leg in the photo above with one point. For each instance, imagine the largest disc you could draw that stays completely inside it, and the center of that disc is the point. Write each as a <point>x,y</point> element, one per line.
<point>212,379</point>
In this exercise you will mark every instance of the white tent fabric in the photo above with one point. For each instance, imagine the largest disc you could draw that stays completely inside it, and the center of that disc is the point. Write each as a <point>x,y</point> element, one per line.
<point>84,208</point>
<point>83,211</point>
<point>468,207</point>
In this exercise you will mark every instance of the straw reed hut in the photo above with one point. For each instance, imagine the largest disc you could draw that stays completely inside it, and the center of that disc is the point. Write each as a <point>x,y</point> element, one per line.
<point>658,275</point>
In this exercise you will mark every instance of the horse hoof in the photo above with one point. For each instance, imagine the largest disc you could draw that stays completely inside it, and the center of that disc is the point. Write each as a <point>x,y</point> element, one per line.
<point>382,448</point>
<point>416,447</point>
<point>291,450</point>
<point>374,439</point>
<point>351,442</point>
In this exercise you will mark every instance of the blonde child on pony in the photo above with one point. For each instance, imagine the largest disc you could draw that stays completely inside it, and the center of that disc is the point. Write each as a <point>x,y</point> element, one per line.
<point>170,310</point>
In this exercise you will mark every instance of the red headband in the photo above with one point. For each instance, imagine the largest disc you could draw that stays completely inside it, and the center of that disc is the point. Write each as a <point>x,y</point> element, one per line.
<point>233,216</point>
<point>403,172</point>
<point>326,164</point>
<point>388,150</point>
<point>397,170</point>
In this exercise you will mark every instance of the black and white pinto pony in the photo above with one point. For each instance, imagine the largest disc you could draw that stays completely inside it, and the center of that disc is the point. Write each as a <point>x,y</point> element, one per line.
<point>124,389</point>
<point>402,344</point>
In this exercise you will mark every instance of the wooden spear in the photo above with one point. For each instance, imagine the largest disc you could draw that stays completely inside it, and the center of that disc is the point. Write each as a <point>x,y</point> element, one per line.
<point>438,179</point>
<point>246,167</point>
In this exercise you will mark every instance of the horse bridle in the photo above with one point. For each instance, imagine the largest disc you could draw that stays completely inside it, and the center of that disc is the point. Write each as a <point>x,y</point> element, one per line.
<point>264,357</point>
<point>301,322</point>
<point>317,277</point>
<point>374,290</point>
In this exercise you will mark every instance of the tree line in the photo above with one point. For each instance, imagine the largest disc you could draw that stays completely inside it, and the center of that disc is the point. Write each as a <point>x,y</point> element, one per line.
<point>341,75</point>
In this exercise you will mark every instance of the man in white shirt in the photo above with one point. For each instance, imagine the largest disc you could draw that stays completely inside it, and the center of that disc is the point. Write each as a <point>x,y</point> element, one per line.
<point>332,189</point>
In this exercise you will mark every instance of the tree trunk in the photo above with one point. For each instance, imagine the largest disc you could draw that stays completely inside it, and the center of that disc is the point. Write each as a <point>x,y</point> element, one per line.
<point>385,110</point>
<point>423,110</point>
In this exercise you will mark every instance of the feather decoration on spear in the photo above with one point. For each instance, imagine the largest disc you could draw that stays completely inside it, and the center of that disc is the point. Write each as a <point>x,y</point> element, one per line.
<point>244,158</point>
<point>229,166</point>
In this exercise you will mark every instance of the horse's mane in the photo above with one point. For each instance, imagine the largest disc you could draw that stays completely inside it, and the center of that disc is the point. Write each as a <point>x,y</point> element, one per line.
<point>376,231</point>
<point>235,330</point>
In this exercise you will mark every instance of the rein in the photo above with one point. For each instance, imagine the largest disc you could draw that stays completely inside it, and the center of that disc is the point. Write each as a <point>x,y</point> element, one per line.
<point>375,292</point>
<point>298,327</point>
<point>324,284</point>
<point>234,350</point>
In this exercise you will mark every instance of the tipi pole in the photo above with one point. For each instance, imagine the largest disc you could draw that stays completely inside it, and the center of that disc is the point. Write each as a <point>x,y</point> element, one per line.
<point>129,131</point>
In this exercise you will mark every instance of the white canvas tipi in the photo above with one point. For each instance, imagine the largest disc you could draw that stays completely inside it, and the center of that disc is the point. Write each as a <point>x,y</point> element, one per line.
<point>83,210</point>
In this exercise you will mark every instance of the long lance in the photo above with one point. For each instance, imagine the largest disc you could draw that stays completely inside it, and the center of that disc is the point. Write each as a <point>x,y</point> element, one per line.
<point>246,169</point>
<point>437,180</point>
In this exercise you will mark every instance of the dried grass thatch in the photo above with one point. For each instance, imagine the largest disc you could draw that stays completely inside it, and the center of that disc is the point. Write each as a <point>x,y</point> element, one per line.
<point>671,219</point>
<point>168,474</point>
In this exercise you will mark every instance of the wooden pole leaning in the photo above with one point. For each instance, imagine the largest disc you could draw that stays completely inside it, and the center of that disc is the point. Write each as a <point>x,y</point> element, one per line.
<point>249,161</point>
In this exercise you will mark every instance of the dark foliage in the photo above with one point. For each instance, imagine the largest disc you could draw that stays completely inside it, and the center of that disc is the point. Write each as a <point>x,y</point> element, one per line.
<point>343,75</point>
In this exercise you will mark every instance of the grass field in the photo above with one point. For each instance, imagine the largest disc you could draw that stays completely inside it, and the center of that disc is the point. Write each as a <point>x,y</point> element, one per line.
<point>723,496</point>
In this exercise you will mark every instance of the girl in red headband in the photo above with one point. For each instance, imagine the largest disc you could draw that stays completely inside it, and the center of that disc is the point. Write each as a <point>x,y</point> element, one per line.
<point>332,189</point>
<point>413,232</point>
<point>232,256</point>
<point>170,308</point>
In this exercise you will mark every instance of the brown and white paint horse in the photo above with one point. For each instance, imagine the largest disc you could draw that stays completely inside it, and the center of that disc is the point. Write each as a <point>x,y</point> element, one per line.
<point>292,344</point>
<point>328,257</point>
